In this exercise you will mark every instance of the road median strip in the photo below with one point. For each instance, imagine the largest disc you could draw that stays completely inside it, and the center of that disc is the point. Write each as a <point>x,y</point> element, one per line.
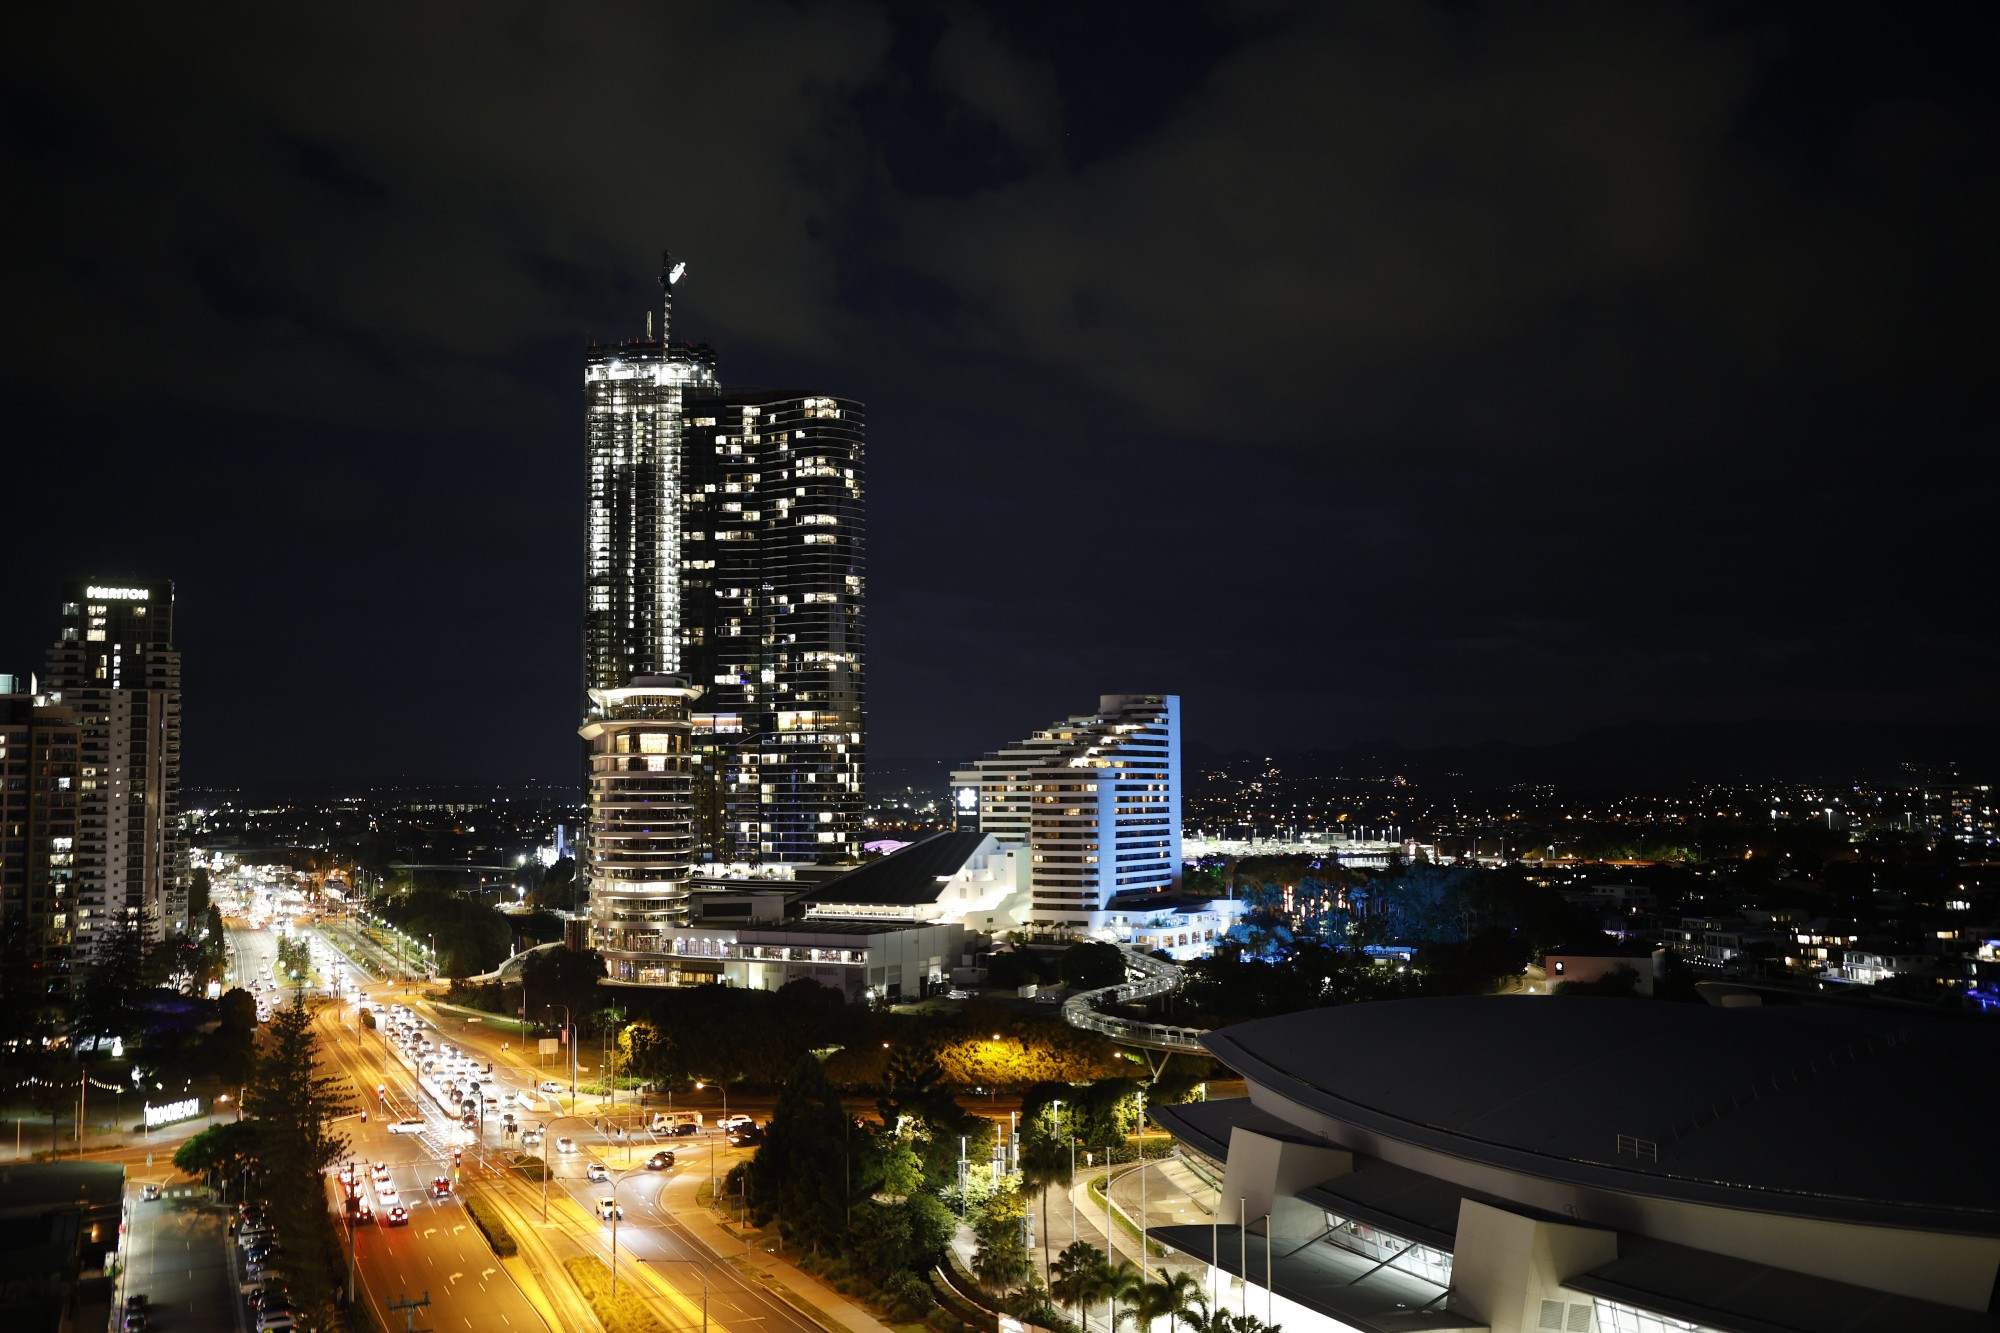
<point>487,1218</point>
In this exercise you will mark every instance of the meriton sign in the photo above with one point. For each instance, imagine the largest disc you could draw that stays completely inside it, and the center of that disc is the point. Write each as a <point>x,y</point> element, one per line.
<point>117,594</point>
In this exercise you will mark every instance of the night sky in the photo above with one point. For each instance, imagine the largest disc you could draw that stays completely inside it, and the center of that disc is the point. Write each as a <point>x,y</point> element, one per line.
<point>1442,372</point>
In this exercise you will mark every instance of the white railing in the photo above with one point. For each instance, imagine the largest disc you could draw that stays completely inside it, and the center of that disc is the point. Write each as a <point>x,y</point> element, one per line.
<point>1156,977</point>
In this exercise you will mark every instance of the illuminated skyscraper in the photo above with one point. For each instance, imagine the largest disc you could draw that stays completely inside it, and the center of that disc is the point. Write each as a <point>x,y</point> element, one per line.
<point>725,570</point>
<point>39,744</point>
<point>773,604</point>
<point>632,423</point>
<point>116,669</point>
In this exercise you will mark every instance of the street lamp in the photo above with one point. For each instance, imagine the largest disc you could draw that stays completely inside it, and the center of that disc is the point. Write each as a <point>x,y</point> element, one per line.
<point>700,1268</point>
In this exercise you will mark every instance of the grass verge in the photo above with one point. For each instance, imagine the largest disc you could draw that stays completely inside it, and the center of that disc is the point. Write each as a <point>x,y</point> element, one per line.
<point>626,1314</point>
<point>487,1218</point>
<point>529,1166</point>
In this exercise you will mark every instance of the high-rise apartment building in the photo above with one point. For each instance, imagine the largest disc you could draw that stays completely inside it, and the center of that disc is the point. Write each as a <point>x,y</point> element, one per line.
<point>114,665</point>
<point>39,746</point>
<point>634,451</point>
<point>772,599</point>
<point>1095,798</point>
<point>725,559</point>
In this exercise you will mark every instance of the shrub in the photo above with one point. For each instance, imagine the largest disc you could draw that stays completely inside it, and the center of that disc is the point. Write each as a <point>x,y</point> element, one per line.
<point>487,1218</point>
<point>627,1314</point>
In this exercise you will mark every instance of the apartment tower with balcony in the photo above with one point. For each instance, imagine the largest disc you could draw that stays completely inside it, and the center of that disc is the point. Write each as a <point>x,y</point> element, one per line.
<point>723,622</point>
<point>114,666</point>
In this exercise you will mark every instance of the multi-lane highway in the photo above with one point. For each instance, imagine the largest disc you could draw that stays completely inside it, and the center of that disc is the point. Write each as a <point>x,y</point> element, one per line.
<point>442,1252</point>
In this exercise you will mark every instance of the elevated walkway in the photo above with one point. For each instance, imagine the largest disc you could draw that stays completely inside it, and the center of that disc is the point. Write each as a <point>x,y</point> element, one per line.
<point>1155,977</point>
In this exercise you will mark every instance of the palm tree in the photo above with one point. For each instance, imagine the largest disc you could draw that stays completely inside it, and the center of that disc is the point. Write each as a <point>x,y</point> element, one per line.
<point>1122,1281</point>
<point>1181,1295</point>
<point>1079,1274</point>
<point>1220,1320</point>
<point>1044,1165</point>
<point>1174,1295</point>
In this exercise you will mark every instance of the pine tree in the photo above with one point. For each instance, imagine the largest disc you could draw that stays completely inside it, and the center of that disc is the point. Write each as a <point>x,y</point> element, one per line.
<point>295,1106</point>
<point>798,1175</point>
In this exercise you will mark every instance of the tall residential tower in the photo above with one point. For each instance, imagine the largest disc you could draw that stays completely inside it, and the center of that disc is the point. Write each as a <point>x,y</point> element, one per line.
<point>723,628</point>
<point>115,667</point>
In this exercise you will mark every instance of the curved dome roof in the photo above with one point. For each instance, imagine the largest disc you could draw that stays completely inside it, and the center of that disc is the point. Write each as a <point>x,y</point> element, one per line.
<point>1808,1109</point>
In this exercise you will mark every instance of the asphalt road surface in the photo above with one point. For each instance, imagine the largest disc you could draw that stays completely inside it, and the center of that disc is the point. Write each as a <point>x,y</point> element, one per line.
<point>177,1254</point>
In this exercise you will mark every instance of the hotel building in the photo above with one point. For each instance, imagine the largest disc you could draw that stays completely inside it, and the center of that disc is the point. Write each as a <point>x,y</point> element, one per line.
<point>1096,799</point>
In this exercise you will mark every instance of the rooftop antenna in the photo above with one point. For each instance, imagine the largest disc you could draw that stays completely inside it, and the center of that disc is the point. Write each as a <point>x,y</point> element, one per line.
<point>671,272</point>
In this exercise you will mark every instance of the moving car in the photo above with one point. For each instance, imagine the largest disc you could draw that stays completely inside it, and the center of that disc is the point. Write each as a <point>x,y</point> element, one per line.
<point>608,1209</point>
<point>550,1085</point>
<point>565,1144</point>
<point>407,1127</point>
<point>148,1193</point>
<point>596,1171</point>
<point>398,1216</point>
<point>381,1171</point>
<point>659,1161</point>
<point>440,1187</point>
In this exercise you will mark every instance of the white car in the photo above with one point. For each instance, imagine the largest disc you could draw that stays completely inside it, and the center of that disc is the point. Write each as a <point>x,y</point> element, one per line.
<point>596,1171</point>
<point>386,1193</point>
<point>608,1209</point>
<point>565,1144</point>
<point>407,1127</point>
<point>550,1085</point>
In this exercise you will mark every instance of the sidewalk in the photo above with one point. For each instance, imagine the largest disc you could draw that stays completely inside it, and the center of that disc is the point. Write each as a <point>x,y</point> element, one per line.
<point>799,1289</point>
<point>33,1138</point>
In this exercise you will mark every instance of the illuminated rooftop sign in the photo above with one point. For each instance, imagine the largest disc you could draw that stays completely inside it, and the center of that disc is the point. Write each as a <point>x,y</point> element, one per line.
<point>117,594</point>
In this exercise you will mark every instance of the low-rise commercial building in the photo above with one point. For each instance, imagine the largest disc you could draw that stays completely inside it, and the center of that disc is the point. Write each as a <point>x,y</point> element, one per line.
<point>1602,1166</point>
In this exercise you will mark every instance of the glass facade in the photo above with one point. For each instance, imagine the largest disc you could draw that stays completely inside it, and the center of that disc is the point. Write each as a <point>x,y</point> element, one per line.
<point>1405,1256</point>
<point>1615,1318</point>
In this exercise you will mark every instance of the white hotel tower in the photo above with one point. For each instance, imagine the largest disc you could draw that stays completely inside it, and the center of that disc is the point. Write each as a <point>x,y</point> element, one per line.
<point>1097,801</point>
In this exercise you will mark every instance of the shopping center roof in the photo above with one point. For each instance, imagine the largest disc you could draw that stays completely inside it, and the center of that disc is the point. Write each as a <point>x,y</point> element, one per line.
<point>909,878</point>
<point>1808,1110</point>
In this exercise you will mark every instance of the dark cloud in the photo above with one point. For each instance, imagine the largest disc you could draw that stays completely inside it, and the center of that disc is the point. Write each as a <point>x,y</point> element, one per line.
<point>1433,370</point>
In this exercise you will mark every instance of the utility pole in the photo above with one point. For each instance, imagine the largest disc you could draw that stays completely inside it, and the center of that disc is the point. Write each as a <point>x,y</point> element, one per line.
<point>409,1311</point>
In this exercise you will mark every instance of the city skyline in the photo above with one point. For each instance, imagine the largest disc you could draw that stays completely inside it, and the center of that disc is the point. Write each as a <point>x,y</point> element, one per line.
<point>1441,381</point>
